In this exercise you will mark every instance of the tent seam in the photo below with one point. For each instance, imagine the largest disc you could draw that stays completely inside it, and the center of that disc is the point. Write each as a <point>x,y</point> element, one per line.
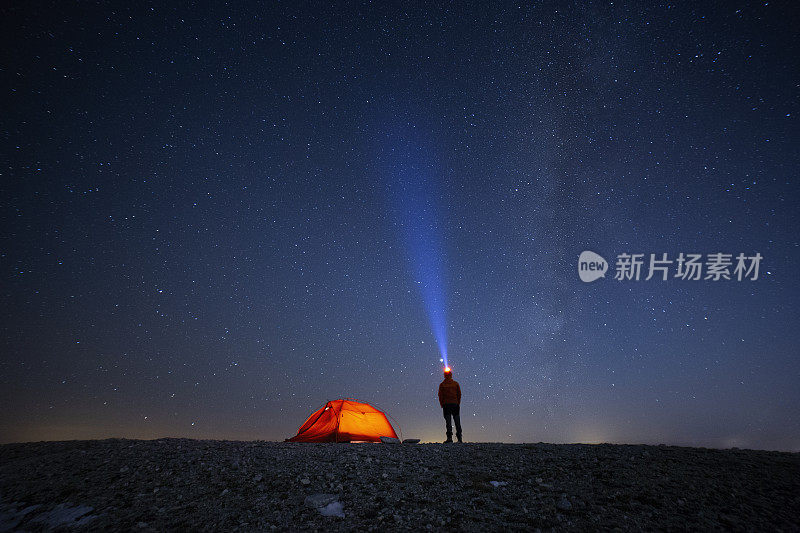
<point>338,422</point>
<point>322,411</point>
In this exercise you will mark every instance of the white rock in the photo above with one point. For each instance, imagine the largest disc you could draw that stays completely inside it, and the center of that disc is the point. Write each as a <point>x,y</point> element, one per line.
<point>496,484</point>
<point>332,509</point>
<point>319,500</point>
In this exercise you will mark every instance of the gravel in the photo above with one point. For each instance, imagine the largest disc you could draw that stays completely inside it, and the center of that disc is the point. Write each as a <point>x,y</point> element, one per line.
<point>181,484</point>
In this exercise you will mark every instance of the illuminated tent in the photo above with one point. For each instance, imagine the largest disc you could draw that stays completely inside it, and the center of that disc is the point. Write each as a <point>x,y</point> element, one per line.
<point>345,420</point>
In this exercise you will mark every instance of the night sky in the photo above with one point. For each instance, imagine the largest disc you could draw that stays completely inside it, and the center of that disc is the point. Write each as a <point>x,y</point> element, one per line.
<point>215,219</point>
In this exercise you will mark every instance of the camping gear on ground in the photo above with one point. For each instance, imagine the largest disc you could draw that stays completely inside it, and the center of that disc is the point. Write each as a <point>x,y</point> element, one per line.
<point>345,420</point>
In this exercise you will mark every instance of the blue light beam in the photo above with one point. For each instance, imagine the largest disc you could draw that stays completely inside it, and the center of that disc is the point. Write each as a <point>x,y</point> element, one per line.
<point>412,188</point>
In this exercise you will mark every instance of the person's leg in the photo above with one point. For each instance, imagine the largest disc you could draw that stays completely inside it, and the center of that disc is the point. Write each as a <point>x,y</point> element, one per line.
<point>457,418</point>
<point>448,421</point>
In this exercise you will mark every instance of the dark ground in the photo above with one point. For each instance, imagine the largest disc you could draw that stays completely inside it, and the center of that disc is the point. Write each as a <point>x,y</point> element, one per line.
<point>181,484</point>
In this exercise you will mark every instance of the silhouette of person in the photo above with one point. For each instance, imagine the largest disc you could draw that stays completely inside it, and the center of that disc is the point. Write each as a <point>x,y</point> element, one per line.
<point>450,400</point>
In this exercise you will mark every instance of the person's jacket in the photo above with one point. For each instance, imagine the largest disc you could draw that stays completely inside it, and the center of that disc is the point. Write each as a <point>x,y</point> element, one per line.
<point>449,392</point>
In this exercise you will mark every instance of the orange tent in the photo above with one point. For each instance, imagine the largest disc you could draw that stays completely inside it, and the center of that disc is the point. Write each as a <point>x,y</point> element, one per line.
<point>345,420</point>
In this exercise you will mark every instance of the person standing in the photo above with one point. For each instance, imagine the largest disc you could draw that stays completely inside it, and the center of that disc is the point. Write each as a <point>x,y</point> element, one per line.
<point>450,400</point>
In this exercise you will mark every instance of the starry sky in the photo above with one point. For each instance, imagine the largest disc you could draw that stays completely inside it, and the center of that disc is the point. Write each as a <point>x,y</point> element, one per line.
<point>217,217</point>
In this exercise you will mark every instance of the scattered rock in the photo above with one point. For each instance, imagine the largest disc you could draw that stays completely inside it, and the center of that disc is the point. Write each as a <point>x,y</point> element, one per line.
<point>65,514</point>
<point>589,487</point>
<point>563,503</point>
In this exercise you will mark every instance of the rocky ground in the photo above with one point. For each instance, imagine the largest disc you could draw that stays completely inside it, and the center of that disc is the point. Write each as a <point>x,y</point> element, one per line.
<point>180,484</point>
